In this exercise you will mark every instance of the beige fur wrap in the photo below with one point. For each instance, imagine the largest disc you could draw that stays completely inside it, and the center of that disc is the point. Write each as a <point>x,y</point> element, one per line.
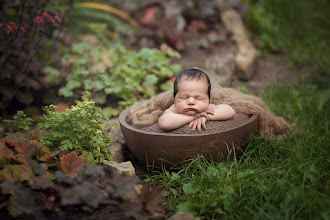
<point>149,111</point>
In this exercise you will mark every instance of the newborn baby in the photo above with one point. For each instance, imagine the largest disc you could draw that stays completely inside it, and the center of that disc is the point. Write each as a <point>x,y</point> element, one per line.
<point>192,89</point>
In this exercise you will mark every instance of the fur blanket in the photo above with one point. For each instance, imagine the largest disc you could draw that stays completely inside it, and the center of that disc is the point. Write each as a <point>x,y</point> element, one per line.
<point>269,125</point>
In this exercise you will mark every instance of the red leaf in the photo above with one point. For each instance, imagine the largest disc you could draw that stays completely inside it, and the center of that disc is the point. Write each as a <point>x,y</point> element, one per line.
<point>71,164</point>
<point>5,151</point>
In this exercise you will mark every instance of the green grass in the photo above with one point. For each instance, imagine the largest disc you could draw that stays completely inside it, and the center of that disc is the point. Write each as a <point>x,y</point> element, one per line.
<point>274,179</point>
<point>301,29</point>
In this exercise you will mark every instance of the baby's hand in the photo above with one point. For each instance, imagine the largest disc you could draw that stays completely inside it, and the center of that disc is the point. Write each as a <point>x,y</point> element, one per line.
<point>201,114</point>
<point>199,122</point>
<point>210,110</point>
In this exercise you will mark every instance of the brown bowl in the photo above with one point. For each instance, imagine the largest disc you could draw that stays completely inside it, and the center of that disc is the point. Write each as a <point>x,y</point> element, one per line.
<point>168,149</point>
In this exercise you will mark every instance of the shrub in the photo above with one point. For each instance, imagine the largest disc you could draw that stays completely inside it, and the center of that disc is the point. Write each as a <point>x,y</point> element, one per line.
<point>38,184</point>
<point>24,26</point>
<point>77,129</point>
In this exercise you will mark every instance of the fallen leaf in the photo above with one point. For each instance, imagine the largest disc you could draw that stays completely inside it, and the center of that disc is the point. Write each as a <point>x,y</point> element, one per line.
<point>71,164</point>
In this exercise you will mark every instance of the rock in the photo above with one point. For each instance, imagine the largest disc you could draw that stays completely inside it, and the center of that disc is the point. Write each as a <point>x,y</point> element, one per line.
<point>245,57</point>
<point>121,168</point>
<point>220,68</point>
<point>182,215</point>
<point>117,153</point>
<point>115,133</point>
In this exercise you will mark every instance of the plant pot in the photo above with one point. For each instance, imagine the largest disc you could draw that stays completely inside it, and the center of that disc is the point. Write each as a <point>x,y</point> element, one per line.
<point>168,149</point>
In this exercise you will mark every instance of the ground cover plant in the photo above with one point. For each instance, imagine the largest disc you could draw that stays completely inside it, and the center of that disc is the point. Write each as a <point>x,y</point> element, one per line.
<point>38,184</point>
<point>274,179</point>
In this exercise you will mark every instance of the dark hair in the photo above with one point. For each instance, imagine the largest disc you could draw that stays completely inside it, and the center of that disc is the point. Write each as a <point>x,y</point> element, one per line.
<point>192,74</point>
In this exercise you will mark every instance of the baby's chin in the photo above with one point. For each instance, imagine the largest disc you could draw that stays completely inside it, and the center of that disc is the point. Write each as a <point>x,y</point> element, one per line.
<point>189,113</point>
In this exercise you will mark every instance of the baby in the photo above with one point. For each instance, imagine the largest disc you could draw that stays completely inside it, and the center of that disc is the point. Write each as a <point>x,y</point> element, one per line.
<point>192,103</point>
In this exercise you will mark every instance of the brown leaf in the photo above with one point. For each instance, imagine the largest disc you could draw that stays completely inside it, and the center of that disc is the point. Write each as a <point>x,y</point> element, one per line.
<point>5,151</point>
<point>21,158</point>
<point>71,164</point>
<point>153,199</point>
<point>43,149</point>
<point>48,157</point>
<point>26,147</point>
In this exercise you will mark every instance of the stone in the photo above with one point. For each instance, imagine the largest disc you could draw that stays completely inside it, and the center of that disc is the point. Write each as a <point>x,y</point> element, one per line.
<point>220,68</point>
<point>115,133</point>
<point>182,215</point>
<point>125,168</point>
<point>117,153</point>
<point>245,57</point>
<point>238,5</point>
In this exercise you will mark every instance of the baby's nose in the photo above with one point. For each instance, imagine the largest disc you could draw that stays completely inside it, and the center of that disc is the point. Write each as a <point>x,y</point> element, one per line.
<point>191,100</point>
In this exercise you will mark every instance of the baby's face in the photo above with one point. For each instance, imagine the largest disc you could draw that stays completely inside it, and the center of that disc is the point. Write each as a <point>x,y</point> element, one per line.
<point>192,97</point>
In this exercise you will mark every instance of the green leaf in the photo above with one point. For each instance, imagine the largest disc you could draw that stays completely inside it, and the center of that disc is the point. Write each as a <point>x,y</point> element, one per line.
<point>189,188</point>
<point>167,86</point>
<point>188,206</point>
<point>151,79</point>
<point>173,191</point>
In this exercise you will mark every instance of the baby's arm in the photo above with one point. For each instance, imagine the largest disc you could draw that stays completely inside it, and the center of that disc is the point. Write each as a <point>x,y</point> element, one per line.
<point>171,120</point>
<point>221,112</point>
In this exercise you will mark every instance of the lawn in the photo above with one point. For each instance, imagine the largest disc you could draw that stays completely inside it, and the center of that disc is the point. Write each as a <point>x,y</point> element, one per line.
<point>286,178</point>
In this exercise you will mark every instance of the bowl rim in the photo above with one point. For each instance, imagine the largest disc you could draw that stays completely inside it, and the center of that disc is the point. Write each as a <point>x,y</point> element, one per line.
<point>123,122</point>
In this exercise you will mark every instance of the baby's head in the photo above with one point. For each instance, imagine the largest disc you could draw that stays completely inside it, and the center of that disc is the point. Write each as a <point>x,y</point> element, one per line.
<point>192,92</point>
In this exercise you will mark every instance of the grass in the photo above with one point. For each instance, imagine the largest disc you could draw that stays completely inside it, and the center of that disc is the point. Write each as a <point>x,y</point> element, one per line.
<point>274,179</point>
